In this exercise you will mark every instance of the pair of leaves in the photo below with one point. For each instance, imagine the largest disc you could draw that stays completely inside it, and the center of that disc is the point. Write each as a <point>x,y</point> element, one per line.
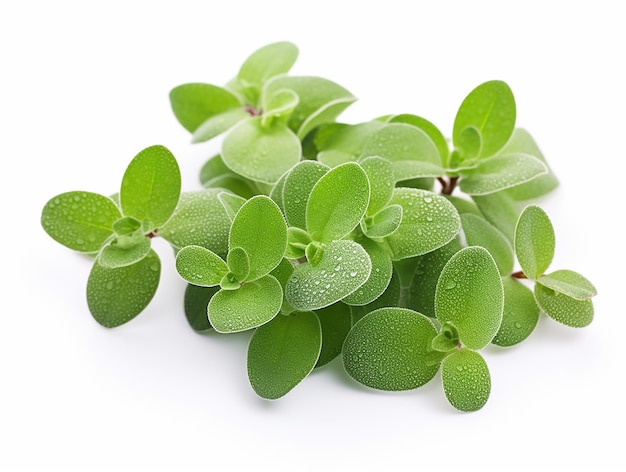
<point>249,295</point>
<point>564,295</point>
<point>125,275</point>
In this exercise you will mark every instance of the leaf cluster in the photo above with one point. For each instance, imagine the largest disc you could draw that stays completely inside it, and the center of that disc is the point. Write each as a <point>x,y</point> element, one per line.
<point>330,239</point>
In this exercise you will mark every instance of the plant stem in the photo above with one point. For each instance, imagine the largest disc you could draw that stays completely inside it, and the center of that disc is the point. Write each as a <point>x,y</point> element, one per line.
<point>447,187</point>
<point>519,275</point>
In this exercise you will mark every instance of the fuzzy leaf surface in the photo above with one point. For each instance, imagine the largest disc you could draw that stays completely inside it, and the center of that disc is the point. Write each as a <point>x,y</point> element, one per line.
<point>430,129</point>
<point>260,153</point>
<point>500,210</point>
<point>253,304</point>
<point>116,296</point>
<point>260,229</point>
<point>297,188</point>
<point>218,124</point>
<point>466,380</point>
<point>199,220</point>
<point>283,352</point>
<point>569,283</point>
<point>342,269</point>
<point>200,266</point>
<point>337,203</point>
<point>380,175</point>
<point>470,295</point>
<point>81,221</point>
<point>502,172</point>
<point>490,108</point>
<point>380,276</point>
<point>390,349</point>
<point>195,103</point>
<point>563,308</point>
<point>479,232</point>
<point>428,222</point>
<point>151,186</point>
<point>520,314</point>
<point>124,251</point>
<point>534,241</point>
<point>382,224</point>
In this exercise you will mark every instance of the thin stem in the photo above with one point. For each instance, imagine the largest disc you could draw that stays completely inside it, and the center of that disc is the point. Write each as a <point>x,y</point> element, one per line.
<point>519,275</point>
<point>448,187</point>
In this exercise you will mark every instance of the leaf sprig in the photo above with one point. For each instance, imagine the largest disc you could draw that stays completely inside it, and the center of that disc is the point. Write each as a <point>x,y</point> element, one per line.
<point>381,242</point>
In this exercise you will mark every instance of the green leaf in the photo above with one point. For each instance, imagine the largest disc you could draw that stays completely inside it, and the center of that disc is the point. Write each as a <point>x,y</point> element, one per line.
<point>195,103</point>
<point>260,229</point>
<point>470,295</point>
<point>124,251</point>
<point>379,278</point>
<point>563,308</point>
<point>502,172</point>
<point>490,108</point>
<point>469,145</point>
<point>239,263</point>
<point>391,297</point>
<point>199,220</point>
<point>321,101</point>
<point>253,304</point>
<point>196,303</point>
<point>276,193</point>
<point>297,188</point>
<point>282,272</point>
<point>390,349</point>
<point>430,129</point>
<point>297,242</point>
<point>428,222</point>
<point>423,285</point>
<point>343,267</point>
<point>466,380</point>
<point>282,353</point>
<point>522,142</point>
<point>215,174</point>
<point>151,186</point>
<point>500,210</point>
<point>380,174</point>
<point>382,224</point>
<point>534,241</point>
<point>479,232</point>
<point>447,340</point>
<point>81,221</point>
<point>348,142</point>
<point>261,153</point>
<point>337,203</point>
<point>200,266</point>
<point>569,283</point>
<point>231,203</point>
<point>409,149</point>
<point>126,226</point>
<point>520,314</point>
<point>279,106</point>
<point>217,124</point>
<point>116,296</point>
<point>463,205</point>
<point>263,64</point>
<point>336,322</point>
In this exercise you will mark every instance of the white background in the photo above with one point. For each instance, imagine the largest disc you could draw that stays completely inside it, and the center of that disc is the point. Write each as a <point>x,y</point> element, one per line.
<point>84,87</point>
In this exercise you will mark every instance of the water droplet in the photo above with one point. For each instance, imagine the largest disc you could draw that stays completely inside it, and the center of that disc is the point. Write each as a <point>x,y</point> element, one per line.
<point>518,325</point>
<point>450,285</point>
<point>428,199</point>
<point>109,285</point>
<point>353,273</point>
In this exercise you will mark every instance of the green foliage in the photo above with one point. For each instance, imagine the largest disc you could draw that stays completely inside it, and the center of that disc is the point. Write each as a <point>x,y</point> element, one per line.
<point>385,242</point>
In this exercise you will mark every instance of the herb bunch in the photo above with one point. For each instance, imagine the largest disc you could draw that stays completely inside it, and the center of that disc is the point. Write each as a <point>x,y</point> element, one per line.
<point>382,242</point>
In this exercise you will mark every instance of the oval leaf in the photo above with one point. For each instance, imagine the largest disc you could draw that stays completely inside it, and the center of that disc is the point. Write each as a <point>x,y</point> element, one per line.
<point>116,296</point>
<point>502,172</point>
<point>428,222</point>
<point>199,266</point>
<point>390,349</point>
<point>260,230</point>
<point>564,309</point>
<point>195,103</point>
<point>196,303</point>
<point>217,124</point>
<point>466,380</point>
<point>124,251</point>
<point>470,295</point>
<point>520,314</point>
<point>380,174</point>
<point>151,186</point>
<point>253,304</point>
<point>81,221</point>
<point>479,232</point>
<point>382,224</point>
<point>297,188</point>
<point>534,241</point>
<point>282,353</point>
<point>569,283</point>
<point>259,153</point>
<point>336,321</point>
<point>379,278</point>
<point>343,268</point>
<point>430,129</point>
<point>337,203</point>
<point>490,108</point>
